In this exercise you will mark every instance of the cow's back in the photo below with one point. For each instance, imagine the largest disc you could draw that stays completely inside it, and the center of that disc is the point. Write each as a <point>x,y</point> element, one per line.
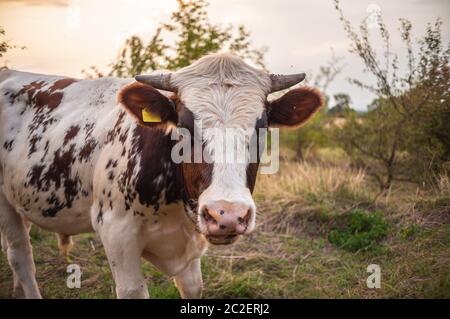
<point>52,133</point>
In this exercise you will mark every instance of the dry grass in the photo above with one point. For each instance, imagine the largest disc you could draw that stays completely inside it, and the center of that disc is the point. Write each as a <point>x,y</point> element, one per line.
<point>299,180</point>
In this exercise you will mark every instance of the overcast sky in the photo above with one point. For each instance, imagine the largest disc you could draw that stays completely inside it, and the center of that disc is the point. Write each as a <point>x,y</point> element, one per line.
<point>65,36</point>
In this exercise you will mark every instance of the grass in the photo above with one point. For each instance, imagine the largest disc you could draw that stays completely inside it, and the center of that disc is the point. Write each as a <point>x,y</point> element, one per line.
<point>359,230</point>
<point>319,226</point>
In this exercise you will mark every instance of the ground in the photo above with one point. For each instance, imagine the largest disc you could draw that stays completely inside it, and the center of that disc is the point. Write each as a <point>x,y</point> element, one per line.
<point>291,254</point>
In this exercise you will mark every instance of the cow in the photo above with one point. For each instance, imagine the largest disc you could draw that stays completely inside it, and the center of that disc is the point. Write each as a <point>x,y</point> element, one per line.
<point>95,155</point>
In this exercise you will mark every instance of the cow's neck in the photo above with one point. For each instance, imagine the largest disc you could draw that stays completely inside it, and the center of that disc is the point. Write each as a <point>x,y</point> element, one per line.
<point>158,178</point>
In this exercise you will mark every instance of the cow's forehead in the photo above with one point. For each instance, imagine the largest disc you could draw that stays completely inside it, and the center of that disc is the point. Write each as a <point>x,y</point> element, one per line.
<point>223,91</point>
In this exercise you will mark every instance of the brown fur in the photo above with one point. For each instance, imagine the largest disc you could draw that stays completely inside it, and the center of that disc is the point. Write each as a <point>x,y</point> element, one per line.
<point>295,107</point>
<point>137,96</point>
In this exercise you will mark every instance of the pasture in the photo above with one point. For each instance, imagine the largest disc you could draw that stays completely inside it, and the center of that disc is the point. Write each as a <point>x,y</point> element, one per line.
<point>305,244</point>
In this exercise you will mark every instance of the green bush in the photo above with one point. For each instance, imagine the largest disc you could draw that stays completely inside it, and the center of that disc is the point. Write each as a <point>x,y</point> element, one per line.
<point>360,230</point>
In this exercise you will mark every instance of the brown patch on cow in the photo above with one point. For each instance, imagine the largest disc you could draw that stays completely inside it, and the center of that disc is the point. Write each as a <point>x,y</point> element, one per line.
<point>59,170</point>
<point>33,141</point>
<point>30,89</point>
<point>123,136</point>
<point>88,128</point>
<point>196,176</point>
<point>111,163</point>
<point>108,165</point>
<point>34,176</point>
<point>87,149</point>
<point>43,102</point>
<point>38,98</point>
<point>115,131</point>
<point>50,98</point>
<point>252,167</point>
<point>252,171</point>
<point>100,213</point>
<point>62,84</point>
<point>46,148</point>
<point>57,175</point>
<point>139,181</point>
<point>71,133</point>
<point>7,145</point>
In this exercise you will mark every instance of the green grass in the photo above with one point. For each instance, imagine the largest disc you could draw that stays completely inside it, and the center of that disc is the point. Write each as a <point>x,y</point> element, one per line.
<point>318,228</point>
<point>359,230</point>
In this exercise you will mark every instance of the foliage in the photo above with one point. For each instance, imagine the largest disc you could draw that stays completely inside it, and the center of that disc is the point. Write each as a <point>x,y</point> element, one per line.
<point>342,104</point>
<point>314,134</point>
<point>405,134</point>
<point>361,231</point>
<point>195,36</point>
<point>311,136</point>
<point>6,45</point>
<point>289,254</point>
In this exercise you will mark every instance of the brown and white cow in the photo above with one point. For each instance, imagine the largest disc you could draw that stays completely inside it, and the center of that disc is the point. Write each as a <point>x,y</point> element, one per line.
<point>76,156</point>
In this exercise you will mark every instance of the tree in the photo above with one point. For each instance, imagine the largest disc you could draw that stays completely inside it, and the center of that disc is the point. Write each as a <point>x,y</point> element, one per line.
<point>405,134</point>
<point>342,104</point>
<point>195,36</point>
<point>5,44</point>
<point>314,132</point>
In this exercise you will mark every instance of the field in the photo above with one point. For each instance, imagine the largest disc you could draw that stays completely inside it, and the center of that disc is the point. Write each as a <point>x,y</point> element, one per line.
<point>320,225</point>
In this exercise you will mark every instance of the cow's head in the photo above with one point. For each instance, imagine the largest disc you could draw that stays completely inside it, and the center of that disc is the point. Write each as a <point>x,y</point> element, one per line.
<point>219,91</point>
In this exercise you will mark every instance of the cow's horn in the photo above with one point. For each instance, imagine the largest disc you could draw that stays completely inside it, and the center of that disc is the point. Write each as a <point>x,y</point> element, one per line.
<point>158,81</point>
<point>281,81</point>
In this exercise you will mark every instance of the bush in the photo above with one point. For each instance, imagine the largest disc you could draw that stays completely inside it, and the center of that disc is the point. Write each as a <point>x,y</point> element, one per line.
<point>404,136</point>
<point>361,230</point>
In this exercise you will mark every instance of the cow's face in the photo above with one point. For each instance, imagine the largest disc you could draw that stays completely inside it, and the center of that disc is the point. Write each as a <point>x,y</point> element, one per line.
<point>224,102</point>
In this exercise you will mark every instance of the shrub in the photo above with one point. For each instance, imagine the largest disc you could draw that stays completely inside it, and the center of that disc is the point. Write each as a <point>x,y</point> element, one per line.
<point>361,230</point>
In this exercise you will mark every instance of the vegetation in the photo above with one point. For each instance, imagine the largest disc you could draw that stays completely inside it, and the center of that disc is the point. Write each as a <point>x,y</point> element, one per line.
<point>405,135</point>
<point>195,37</point>
<point>5,44</point>
<point>360,230</point>
<point>291,254</point>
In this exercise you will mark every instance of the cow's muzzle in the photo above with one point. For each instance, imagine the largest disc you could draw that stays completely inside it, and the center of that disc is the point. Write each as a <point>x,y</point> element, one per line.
<point>224,221</point>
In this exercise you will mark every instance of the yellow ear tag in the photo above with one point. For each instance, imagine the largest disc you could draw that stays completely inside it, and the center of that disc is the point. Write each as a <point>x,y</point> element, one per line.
<point>149,117</point>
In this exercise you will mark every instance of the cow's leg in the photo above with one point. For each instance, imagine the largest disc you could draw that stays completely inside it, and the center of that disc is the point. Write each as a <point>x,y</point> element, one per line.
<point>64,244</point>
<point>3,237</point>
<point>19,252</point>
<point>18,291</point>
<point>124,252</point>
<point>189,280</point>
<point>4,244</point>
<point>125,262</point>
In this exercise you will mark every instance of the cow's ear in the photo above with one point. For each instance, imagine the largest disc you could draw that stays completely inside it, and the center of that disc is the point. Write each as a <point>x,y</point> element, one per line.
<point>147,105</point>
<point>295,107</point>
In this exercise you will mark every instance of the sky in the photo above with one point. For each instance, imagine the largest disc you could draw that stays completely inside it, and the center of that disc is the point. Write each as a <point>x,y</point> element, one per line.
<point>66,36</point>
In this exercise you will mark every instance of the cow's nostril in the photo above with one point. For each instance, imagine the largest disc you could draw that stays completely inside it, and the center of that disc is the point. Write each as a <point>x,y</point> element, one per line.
<point>207,216</point>
<point>222,212</point>
<point>246,219</point>
<point>222,226</point>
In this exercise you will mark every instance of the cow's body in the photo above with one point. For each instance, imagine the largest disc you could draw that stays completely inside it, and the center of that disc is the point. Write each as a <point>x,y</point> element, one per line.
<point>75,166</point>
<point>74,159</point>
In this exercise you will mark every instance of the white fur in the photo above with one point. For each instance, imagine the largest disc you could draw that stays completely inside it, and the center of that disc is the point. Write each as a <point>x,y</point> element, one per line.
<point>222,91</point>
